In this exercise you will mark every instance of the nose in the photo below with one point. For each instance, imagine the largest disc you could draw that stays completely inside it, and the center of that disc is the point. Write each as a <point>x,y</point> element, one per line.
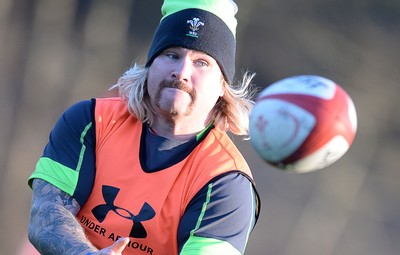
<point>182,70</point>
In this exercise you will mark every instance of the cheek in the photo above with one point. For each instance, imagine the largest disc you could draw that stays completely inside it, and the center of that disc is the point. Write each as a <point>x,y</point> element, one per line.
<point>210,95</point>
<point>214,90</point>
<point>152,82</point>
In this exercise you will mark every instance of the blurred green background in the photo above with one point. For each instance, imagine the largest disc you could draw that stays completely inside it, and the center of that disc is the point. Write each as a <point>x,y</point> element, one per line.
<point>54,53</point>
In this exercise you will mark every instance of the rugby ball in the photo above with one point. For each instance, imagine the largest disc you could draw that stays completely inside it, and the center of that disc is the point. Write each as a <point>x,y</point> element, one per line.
<point>302,123</point>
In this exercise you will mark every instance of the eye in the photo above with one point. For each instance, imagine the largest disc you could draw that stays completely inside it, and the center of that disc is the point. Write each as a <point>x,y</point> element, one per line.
<point>171,55</point>
<point>200,63</point>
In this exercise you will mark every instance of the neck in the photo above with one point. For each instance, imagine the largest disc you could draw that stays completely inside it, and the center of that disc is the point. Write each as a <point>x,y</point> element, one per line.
<point>178,130</point>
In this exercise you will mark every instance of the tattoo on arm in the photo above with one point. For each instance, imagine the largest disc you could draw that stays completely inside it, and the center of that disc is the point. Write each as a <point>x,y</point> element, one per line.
<point>53,228</point>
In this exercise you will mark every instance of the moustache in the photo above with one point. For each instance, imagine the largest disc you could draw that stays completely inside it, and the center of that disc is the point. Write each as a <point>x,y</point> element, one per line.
<point>176,84</point>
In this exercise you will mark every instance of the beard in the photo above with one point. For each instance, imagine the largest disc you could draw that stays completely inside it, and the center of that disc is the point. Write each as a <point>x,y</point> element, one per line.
<point>173,111</point>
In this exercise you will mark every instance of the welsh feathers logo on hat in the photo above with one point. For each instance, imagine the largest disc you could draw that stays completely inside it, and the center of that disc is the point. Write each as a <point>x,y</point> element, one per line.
<point>195,24</point>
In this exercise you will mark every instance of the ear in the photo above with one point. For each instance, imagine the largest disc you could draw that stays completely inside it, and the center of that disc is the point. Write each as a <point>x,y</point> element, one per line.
<point>223,87</point>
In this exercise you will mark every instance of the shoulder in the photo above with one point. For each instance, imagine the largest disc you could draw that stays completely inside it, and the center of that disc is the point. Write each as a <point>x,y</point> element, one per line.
<point>84,107</point>
<point>231,192</point>
<point>226,192</point>
<point>220,144</point>
<point>226,209</point>
<point>110,104</point>
<point>75,119</point>
<point>233,184</point>
<point>112,109</point>
<point>111,116</point>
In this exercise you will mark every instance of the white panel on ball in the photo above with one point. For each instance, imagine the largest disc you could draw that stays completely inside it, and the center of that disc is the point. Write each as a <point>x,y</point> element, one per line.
<point>280,128</point>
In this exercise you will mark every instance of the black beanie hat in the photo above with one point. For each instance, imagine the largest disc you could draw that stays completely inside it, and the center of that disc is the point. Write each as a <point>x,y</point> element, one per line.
<point>203,25</point>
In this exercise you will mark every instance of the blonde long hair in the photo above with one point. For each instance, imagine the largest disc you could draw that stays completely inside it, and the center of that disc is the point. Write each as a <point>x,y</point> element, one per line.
<point>231,111</point>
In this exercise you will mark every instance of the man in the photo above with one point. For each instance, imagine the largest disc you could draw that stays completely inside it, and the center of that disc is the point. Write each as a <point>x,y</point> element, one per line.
<point>153,171</point>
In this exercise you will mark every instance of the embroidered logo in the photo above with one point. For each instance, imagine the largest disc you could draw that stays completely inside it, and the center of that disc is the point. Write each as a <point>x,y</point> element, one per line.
<point>195,23</point>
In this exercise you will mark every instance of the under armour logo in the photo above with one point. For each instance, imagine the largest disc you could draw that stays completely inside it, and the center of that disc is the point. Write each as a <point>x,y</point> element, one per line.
<point>109,195</point>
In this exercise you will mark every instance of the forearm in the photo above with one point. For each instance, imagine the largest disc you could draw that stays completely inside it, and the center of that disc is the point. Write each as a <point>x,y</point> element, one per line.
<point>53,228</point>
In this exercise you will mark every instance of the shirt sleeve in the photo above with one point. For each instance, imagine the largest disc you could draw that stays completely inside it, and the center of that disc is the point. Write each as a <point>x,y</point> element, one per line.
<point>68,160</point>
<point>220,218</point>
